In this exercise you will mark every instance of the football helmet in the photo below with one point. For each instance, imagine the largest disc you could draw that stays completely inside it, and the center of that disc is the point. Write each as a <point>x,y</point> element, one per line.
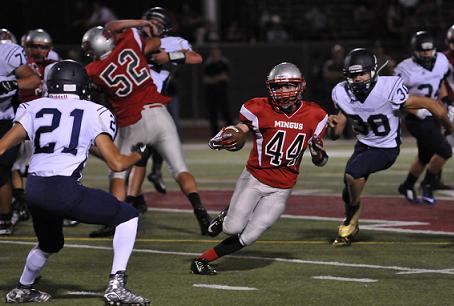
<point>282,74</point>
<point>97,43</point>
<point>7,37</point>
<point>68,77</point>
<point>450,38</point>
<point>37,44</point>
<point>358,61</point>
<point>160,15</point>
<point>424,51</point>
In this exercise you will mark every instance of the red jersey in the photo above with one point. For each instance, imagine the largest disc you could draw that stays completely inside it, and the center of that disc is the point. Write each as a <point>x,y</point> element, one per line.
<point>450,55</point>
<point>280,139</point>
<point>27,95</point>
<point>125,78</point>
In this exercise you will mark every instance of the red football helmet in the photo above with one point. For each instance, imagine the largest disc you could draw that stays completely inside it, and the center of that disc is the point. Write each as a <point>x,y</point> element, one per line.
<point>285,74</point>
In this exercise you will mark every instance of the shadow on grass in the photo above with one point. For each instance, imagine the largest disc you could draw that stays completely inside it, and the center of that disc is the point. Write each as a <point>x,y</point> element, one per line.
<point>237,264</point>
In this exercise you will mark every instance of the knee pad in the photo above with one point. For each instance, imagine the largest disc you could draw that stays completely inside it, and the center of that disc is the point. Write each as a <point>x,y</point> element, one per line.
<point>5,175</point>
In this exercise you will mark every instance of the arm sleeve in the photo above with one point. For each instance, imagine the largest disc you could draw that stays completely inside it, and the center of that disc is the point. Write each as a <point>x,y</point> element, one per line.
<point>24,117</point>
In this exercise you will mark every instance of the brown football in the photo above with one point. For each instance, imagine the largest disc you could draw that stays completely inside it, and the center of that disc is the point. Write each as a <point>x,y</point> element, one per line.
<point>233,138</point>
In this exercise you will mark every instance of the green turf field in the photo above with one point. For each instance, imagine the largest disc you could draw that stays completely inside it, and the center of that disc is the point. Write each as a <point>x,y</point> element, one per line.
<point>292,264</point>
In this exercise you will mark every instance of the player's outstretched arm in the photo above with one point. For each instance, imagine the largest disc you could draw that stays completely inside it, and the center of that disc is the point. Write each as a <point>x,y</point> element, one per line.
<point>113,158</point>
<point>12,138</point>
<point>435,107</point>
<point>117,26</point>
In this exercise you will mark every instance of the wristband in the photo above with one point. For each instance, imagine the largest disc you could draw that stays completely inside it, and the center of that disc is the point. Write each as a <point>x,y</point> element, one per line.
<point>177,57</point>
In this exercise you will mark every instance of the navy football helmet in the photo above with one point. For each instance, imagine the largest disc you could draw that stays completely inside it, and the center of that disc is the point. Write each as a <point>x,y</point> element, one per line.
<point>160,15</point>
<point>358,61</point>
<point>68,77</point>
<point>424,50</point>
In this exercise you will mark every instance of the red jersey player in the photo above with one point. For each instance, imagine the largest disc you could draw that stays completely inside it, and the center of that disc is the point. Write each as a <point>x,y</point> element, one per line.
<point>283,126</point>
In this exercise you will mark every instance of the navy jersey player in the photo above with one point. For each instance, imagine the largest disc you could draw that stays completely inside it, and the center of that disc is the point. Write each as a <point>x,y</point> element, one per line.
<point>283,127</point>
<point>62,128</point>
<point>373,104</point>
<point>424,74</point>
<point>14,74</point>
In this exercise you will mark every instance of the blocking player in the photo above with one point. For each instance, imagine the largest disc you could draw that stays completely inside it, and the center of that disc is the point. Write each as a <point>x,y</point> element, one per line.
<point>424,75</point>
<point>62,128</point>
<point>120,69</point>
<point>283,126</point>
<point>373,103</point>
<point>14,74</point>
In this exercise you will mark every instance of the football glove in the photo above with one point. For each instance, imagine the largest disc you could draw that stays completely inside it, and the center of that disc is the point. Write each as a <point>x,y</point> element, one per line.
<point>318,153</point>
<point>143,150</point>
<point>7,86</point>
<point>215,143</point>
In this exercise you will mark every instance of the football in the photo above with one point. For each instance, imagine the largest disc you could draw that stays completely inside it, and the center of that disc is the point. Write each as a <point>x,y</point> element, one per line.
<point>233,138</point>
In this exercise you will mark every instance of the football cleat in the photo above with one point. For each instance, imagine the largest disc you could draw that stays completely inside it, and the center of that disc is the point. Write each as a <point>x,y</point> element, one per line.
<point>342,241</point>
<point>6,227</point>
<point>26,294</point>
<point>203,219</point>
<point>20,211</point>
<point>409,193</point>
<point>117,294</point>
<point>157,181</point>
<point>105,231</point>
<point>201,266</point>
<point>215,227</point>
<point>427,194</point>
<point>138,203</point>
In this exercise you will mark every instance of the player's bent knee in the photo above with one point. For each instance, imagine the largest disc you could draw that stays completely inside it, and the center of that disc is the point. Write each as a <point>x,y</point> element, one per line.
<point>230,228</point>
<point>445,152</point>
<point>125,213</point>
<point>52,246</point>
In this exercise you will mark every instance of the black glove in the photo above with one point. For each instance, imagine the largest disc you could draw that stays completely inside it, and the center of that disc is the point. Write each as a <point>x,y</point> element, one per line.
<point>7,86</point>
<point>143,150</point>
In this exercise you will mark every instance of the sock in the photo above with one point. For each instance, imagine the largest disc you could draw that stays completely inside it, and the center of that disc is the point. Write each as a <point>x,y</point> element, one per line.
<point>209,255</point>
<point>36,260</point>
<point>130,199</point>
<point>410,180</point>
<point>19,194</point>
<point>194,198</point>
<point>123,242</point>
<point>228,246</point>
<point>429,178</point>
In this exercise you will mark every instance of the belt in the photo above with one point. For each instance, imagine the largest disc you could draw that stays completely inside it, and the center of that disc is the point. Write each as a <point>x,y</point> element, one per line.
<point>153,105</point>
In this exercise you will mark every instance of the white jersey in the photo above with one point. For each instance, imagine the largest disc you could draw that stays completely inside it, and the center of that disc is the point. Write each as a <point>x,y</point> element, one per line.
<point>62,129</point>
<point>423,82</point>
<point>169,44</point>
<point>12,56</point>
<point>376,120</point>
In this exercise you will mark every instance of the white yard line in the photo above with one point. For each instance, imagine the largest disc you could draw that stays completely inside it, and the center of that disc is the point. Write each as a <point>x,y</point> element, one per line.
<point>398,269</point>
<point>345,279</point>
<point>224,287</point>
<point>88,293</point>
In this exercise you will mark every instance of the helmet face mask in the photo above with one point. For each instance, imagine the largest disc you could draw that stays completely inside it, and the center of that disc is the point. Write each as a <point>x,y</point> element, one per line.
<point>97,43</point>
<point>68,77</point>
<point>285,85</point>
<point>360,71</point>
<point>424,51</point>
<point>38,44</point>
<point>160,19</point>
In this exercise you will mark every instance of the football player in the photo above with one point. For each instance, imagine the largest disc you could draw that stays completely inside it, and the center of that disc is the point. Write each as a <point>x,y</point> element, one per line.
<point>373,104</point>
<point>121,70</point>
<point>54,193</point>
<point>37,45</point>
<point>424,74</point>
<point>14,74</point>
<point>283,126</point>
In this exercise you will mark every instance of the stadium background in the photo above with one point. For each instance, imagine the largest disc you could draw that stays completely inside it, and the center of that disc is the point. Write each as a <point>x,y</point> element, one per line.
<point>353,23</point>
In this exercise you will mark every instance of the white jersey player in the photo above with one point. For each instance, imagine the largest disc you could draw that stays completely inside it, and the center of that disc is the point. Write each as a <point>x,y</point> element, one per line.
<point>62,128</point>
<point>424,74</point>
<point>373,104</point>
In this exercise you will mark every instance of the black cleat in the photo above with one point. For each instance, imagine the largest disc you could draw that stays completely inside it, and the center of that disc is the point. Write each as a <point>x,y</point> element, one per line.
<point>201,266</point>
<point>26,294</point>
<point>6,227</point>
<point>409,193</point>
<point>106,231</point>
<point>215,227</point>
<point>138,202</point>
<point>157,181</point>
<point>203,219</point>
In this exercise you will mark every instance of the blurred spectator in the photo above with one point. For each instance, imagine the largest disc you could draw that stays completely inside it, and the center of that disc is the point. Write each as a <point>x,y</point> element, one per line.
<point>276,32</point>
<point>234,32</point>
<point>382,58</point>
<point>332,68</point>
<point>216,76</point>
<point>395,20</point>
<point>100,15</point>
<point>317,23</point>
<point>363,18</point>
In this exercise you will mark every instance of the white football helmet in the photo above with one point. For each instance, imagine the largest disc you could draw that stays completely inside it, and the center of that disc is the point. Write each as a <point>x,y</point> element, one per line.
<point>285,73</point>
<point>7,37</point>
<point>97,43</point>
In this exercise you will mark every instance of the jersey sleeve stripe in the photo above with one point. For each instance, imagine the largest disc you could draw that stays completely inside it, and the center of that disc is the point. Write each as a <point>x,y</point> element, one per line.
<point>397,84</point>
<point>255,125</point>
<point>321,125</point>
